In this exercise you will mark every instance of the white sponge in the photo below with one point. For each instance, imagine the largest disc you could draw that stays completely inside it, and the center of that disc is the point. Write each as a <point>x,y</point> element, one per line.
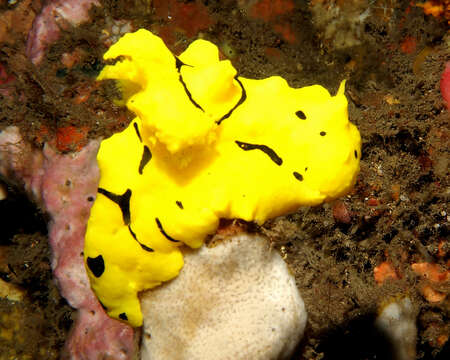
<point>236,300</point>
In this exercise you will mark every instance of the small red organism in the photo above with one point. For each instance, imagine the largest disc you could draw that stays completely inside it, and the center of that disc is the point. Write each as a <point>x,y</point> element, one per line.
<point>5,78</point>
<point>5,81</point>
<point>341,213</point>
<point>445,85</point>
<point>71,138</point>
<point>373,202</point>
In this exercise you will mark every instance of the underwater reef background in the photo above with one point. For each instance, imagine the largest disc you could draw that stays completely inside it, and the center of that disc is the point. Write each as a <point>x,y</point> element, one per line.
<point>386,240</point>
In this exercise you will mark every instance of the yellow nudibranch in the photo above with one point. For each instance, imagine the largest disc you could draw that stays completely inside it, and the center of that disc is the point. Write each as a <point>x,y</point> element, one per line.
<point>206,144</point>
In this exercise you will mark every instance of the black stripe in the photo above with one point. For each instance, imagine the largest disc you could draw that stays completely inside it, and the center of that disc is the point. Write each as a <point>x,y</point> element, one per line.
<point>144,247</point>
<point>264,148</point>
<point>163,232</point>
<point>146,157</point>
<point>180,204</point>
<point>179,64</point>
<point>122,200</point>
<point>241,100</point>
<point>137,131</point>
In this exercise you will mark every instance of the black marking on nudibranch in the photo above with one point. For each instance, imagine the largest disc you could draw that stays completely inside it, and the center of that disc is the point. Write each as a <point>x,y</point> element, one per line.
<point>298,176</point>
<point>179,64</point>
<point>143,246</point>
<point>264,148</point>
<point>323,133</point>
<point>301,115</point>
<point>161,229</point>
<point>356,154</point>
<point>136,128</point>
<point>146,157</point>
<point>179,204</point>
<point>122,200</point>
<point>123,316</point>
<point>241,100</point>
<point>96,265</point>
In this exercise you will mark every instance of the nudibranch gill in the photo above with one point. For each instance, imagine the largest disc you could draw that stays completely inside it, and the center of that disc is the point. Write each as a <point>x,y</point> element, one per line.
<point>206,144</point>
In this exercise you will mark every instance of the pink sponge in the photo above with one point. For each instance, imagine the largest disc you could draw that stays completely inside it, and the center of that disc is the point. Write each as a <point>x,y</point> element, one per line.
<point>445,85</point>
<point>65,186</point>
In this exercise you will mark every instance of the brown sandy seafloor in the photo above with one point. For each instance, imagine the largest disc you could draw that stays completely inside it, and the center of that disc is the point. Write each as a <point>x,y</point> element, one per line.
<point>392,54</point>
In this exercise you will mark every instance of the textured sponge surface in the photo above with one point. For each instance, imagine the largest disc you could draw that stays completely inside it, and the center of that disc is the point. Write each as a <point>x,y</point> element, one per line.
<point>236,300</point>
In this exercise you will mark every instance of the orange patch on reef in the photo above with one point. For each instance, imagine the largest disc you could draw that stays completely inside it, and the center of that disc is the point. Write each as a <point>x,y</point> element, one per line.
<point>433,8</point>
<point>435,274</point>
<point>441,340</point>
<point>441,249</point>
<point>272,52</point>
<point>188,18</point>
<point>408,45</point>
<point>425,162</point>
<point>270,9</point>
<point>395,191</point>
<point>71,138</point>
<point>384,271</point>
<point>432,295</point>
<point>432,272</point>
<point>286,32</point>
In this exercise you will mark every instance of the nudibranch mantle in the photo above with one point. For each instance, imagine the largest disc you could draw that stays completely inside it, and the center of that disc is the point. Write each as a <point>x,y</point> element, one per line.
<point>206,144</point>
